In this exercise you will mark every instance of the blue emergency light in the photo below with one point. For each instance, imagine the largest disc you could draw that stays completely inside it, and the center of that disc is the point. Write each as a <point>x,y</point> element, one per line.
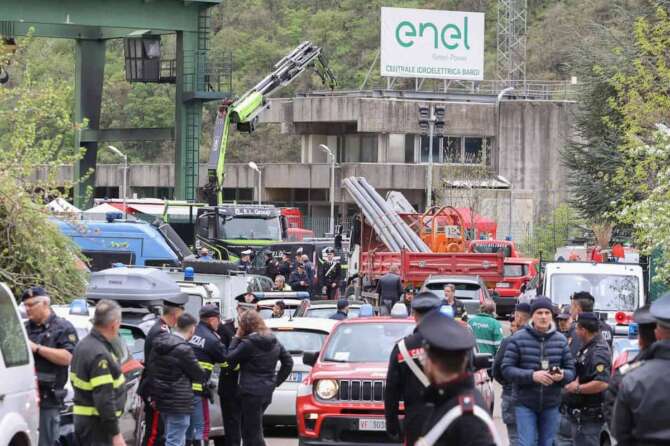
<point>189,273</point>
<point>632,330</point>
<point>79,307</point>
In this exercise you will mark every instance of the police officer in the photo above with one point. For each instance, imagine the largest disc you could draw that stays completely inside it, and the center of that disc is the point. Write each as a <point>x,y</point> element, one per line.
<point>455,410</point>
<point>330,274</point>
<point>209,351</point>
<point>582,302</point>
<point>298,279</point>
<point>646,326</point>
<point>585,395</point>
<point>642,405</point>
<point>229,392</point>
<point>244,264</point>
<point>153,433</point>
<point>98,382</point>
<point>284,268</point>
<point>271,266</point>
<point>405,379</point>
<point>52,341</point>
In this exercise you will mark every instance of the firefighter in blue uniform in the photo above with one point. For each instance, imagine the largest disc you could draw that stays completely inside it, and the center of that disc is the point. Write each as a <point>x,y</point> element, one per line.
<point>209,350</point>
<point>405,379</point>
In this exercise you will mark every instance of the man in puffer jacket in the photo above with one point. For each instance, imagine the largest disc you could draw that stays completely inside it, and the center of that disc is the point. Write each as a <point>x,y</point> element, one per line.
<point>257,351</point>
<point>538,361</point>
<point>174,370</point>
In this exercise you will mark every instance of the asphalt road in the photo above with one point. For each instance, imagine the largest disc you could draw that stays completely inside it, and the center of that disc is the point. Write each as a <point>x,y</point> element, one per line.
<point>287,436</point>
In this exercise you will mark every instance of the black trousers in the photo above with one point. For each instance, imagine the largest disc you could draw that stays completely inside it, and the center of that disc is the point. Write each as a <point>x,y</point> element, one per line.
<point>153,427</point>
<point>88,433</point>
<point>253,407</point>
<point>231,411</point>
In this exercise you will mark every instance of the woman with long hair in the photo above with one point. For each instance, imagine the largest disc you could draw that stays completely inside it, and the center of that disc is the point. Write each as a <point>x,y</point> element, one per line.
<point>257,351</point>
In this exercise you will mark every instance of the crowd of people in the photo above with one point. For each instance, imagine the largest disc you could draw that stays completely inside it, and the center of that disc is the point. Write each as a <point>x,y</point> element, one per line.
<point>555,369</point>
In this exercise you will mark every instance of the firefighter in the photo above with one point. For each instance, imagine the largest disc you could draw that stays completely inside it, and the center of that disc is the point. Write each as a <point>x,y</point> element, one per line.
<point>209,351</point>
<point>330,274</point>
<point>98,382</point>
<point>405,379</point>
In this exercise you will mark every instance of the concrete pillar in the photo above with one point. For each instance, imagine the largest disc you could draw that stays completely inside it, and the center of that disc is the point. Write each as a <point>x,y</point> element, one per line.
<point>89,73</point>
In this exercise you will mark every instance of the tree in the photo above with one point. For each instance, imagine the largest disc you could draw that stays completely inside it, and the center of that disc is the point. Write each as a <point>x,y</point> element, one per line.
<point>552,232</point>
<point>36,129</point>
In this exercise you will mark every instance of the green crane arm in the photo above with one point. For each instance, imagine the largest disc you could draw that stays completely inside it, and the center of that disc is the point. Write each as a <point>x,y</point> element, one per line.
<point>245,111</point>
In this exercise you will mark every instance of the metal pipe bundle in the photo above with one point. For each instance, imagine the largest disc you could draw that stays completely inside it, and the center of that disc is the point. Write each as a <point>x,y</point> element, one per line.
<point>392,230</point>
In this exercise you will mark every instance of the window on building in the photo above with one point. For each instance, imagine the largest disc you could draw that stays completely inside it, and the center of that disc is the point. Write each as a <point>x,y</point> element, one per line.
<point>409,148</point>
<point>357,148</point>
<point>449,149</point>
<point>240,195</point>
<point>474,150</point>
<point>425,141</point>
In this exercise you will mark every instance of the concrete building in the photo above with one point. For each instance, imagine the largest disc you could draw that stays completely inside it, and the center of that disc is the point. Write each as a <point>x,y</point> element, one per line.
<point>376,134</point>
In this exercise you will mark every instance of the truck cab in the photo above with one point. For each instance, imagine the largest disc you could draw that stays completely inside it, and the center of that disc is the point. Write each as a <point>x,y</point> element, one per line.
<point>229,229</point>
<point>618,288</point>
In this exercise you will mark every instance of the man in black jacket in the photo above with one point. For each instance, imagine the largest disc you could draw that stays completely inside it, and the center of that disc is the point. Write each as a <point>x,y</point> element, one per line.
<point>452,391</point>
<point>209,351</point>
<point>298,280</point>
<point>642,405</point>
<point>174,370</point>
<point>330,275</point>
<point>257,351</point>
<point>405,379</point>
<point>153,433</point>
<point>342,310</point>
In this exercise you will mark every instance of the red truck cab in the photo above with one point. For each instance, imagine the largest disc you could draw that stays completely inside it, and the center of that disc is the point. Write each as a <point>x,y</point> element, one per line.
<point>342,399</point>
<point>518,271</point>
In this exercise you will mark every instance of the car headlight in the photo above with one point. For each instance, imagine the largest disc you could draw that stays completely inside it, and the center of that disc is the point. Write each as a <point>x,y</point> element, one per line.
<point>326,389</point>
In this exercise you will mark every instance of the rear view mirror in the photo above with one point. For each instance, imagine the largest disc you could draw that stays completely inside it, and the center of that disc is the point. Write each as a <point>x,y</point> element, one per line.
<point>309,358</point>
<point>483,361</point>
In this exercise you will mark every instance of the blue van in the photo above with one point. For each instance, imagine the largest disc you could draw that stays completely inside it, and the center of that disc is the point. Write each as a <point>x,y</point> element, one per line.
<point>129,242</point>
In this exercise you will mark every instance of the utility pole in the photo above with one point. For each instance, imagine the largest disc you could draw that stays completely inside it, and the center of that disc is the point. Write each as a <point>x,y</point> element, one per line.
<point>431,118</point>
<point>331,157</point>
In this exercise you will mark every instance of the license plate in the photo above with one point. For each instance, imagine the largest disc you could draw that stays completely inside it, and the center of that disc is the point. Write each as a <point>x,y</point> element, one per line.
<point>371,424</point>
<point>502,285</point>
<point>294,377</point>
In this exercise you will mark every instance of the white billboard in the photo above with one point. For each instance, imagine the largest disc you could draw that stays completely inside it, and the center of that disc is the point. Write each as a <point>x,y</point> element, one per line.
<point>434,44</point>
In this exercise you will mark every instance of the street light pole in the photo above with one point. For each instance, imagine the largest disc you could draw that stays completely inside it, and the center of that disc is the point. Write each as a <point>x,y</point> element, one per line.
<point>429,181</point>
<point>125,178</point>
<point>254,166</point>
<point>331,157</point>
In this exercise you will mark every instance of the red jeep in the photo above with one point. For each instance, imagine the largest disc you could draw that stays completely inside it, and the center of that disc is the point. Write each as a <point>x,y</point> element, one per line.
<point>518,271</point>
<point>342,399</point>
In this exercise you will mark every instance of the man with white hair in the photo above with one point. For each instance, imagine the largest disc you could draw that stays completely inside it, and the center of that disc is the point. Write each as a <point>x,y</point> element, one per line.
<point>52,341</point>
<point>389,288</point>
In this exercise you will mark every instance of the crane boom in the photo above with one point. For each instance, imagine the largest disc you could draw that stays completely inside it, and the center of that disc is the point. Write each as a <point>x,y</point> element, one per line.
<point>245,111</point>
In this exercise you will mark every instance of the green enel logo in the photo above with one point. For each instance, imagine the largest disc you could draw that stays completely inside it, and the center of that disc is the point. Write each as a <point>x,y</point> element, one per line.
<point>450,35</point>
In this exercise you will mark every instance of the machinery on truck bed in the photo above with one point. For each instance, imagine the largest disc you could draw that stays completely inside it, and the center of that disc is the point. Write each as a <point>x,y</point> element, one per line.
<point>244,114</point>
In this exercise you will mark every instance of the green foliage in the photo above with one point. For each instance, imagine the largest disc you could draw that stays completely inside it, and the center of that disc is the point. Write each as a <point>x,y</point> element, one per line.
<point>36,129</point>
<point>552,232</point>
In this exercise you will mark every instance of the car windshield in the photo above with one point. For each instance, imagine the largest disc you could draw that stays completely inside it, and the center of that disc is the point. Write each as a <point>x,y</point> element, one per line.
<point>515,270</point>
<point>611,292</point>
<point>492,248</point>
<point>324,313</point>
<point>250,228</point>
<point>365,342</point>
<point>463,290</point>
<point>298,341</point>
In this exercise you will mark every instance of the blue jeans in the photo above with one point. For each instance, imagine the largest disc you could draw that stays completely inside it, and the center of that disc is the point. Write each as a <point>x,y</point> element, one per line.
<point>176,425</point>
<point>198,428</point>
<point>536,428</point>
<point>586,433</point>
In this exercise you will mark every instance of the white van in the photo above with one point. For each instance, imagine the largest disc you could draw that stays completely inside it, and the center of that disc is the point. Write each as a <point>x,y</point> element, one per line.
<point>19,400</point>
<point>616,287</point>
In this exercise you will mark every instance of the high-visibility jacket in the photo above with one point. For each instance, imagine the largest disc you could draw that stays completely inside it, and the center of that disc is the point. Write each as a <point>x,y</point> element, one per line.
<point>98,382</point>
<point>209,351</point>
<point>488,332</point>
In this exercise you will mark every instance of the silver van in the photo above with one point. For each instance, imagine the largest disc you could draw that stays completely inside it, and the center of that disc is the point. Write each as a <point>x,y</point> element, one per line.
<point>19,400</point>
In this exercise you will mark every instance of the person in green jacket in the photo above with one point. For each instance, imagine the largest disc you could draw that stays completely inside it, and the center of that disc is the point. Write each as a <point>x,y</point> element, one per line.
<point>487,330</point>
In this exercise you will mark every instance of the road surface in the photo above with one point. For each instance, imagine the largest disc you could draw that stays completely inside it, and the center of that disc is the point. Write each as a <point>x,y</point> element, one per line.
<point>287,436</point>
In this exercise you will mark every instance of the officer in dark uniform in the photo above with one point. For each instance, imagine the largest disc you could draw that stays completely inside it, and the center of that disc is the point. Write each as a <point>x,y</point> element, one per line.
<point>209,351</point>
<point>643,403</point>
<point>405,379</point>
<point>98,382</point>
<point>244,264</point>
<point>271,266</point>
<point>582,302</point>
<point>330,274</point>
<point>298,280</point>
<point>231,405</point>
<point>52,341</point>
<point>153,433</point>
<point>452,392</point>
<point>585,395</point>
<point>646,325</point>
<point>284,268</point>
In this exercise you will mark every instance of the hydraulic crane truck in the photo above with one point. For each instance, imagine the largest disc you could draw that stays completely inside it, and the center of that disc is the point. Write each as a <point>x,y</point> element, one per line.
<point>214,219</point>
